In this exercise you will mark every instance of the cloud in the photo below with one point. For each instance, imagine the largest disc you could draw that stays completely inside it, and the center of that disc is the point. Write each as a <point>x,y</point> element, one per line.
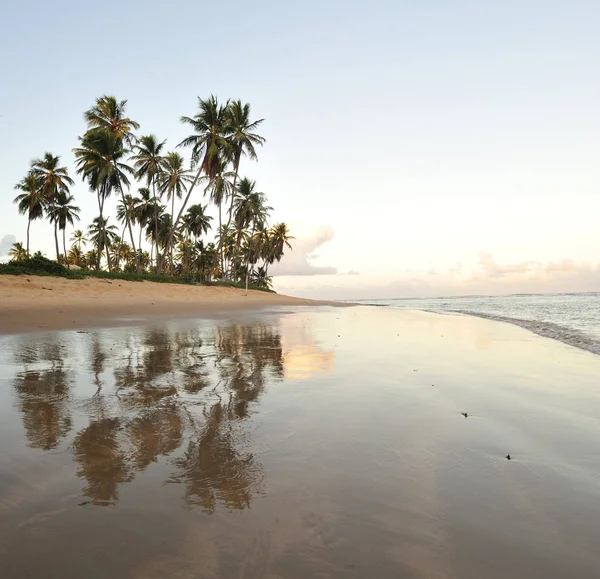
<point>298,260</point>
<point>482,277</point>
<point>6,243</point>
<point>492,269</point>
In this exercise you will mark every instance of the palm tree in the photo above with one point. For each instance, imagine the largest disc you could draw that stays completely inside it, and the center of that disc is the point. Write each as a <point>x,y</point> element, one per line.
<point>174,180</point>
<point>126,214</point>
<point>279,239</point>
<point>99,160</point>
<point>17,252</point>
<point>220,189</point>
<point>108,114</point>
<point>148,163</point>
<point>143,211</point>
<point>196,221</point>
<point>164,230</point>
<point>242,139</point>
<point>265,244</point>
<point>31,201</point>
<point>62,212</point>
<point>53,179</point>
<point>78,237</point>
<point>208,142</point>
<point>102,236</point>
<point>91,259</point>
<point>250,211</point>
<point>75,256</point>
<point>120,251</point>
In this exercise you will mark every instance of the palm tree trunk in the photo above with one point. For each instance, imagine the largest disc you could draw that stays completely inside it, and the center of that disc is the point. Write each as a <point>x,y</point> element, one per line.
<point>28,226</point>
<point>56,241</point>
<point>250,242</point>
<point>103,237</point>
<point>158,262</point>
<point>139,257</point>
<point>220,252</point>
<point>172,217</point>
<point>235,178</point>
<point>65,248</point>
<point>236,169</point>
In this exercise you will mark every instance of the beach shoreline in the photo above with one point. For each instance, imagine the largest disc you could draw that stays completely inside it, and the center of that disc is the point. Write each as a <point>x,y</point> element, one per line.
<point>39,303</point>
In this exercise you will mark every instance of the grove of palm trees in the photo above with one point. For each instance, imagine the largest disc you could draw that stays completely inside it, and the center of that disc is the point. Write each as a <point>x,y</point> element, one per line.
<point>161,224</point>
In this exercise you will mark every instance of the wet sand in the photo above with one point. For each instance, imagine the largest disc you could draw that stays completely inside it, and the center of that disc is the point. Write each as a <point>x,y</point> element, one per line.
<point>319,443</point>
<point>34,303</point>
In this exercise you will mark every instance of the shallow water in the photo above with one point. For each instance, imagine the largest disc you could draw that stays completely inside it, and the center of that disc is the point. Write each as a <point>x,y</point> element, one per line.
<point>573,319</point>
<point>326,443</point>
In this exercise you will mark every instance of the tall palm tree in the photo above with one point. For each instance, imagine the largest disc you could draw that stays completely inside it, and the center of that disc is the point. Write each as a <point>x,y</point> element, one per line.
<point>99,159</point>
<point>221,188</point>
<point>102,236</point>
<point>242,139</point>
<point>108,114</point>
<point>148,163</point>
<point>144,211</point>
<point>208,143</point>
<point>250,211</point>
<point>126,214</point>
<point>31,201</point>
<point>164,229</point>
<point>279,239</point>
<point>62,212</point>
<point>17,252</point>
<point>196,221</point>
<point>174,181</point>
<point>249,205</point>
<point>54,180</point>
<point>79,238</point>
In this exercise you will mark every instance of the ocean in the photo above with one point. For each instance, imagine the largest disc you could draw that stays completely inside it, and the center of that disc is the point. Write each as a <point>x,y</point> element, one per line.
<point>572,318</point>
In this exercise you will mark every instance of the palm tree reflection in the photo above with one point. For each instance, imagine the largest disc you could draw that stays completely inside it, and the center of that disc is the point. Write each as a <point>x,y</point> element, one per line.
<point>43,394</point>
<point>180,397</point>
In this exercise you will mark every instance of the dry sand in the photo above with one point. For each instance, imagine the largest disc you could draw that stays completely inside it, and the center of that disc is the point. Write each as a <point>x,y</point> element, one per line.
<point>34,303</point>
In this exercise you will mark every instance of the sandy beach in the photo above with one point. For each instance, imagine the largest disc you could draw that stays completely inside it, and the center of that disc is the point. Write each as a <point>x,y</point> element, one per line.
<point>36,303</point>
<point>309,442</point>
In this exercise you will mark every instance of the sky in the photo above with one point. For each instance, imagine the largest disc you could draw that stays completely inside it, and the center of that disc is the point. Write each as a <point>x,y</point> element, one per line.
<point>414,148</point>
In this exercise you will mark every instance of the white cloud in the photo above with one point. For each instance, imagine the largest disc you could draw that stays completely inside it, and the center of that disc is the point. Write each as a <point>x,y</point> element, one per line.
<point>483,277</point>
<point>6,243</point>
<point>298,261</point>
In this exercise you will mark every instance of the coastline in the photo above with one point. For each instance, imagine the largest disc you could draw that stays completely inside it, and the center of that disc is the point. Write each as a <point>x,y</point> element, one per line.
<point>563,334</point>
<point>40,303</point>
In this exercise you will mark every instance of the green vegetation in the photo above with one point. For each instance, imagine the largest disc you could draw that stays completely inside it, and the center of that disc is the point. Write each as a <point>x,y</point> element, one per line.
<point>41,266</point>
<point>146,239</point>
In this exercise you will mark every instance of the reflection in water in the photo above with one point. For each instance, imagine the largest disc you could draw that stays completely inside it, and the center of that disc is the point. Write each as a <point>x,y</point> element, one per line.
<point>367,472</point>
<point>176,396</point>
<point>213,469</point>
<point>43,395</point>
<point>302,359</point>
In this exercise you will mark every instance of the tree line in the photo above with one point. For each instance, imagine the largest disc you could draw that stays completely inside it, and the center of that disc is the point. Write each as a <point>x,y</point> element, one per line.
<point>157,230</point>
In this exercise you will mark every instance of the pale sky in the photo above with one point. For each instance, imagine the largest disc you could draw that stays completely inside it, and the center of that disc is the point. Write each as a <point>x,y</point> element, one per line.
<point>415,148</point>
